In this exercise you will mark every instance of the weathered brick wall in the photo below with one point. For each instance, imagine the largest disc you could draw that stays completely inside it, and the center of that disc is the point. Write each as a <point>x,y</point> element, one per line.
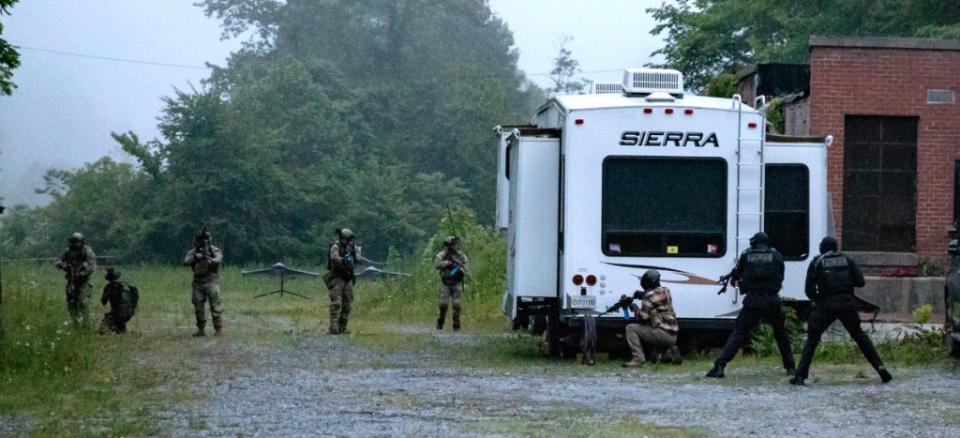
<point>893,82</point>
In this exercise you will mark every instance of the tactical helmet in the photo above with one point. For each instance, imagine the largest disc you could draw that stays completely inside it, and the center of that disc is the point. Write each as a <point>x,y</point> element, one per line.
<point>452,240</point>
<point>650,279</point>
<point>75,238</point>
<point>112,274</point>
<point>760,239</point>
<point>828,244</point>
<point>346,233</point>
<point>204,234</point>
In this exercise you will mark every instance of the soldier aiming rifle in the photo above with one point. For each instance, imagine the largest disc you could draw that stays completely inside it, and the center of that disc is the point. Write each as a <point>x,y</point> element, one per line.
<point>79,262</point>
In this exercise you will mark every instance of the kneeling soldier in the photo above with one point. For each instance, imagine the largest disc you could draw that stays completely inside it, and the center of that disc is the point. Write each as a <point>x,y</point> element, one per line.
<point>123,299</point>
<point>452,264</point>
<point>656,322</point>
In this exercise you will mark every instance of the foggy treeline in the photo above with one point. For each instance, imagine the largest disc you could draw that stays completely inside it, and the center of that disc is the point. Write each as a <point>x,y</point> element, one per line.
<point>369,114</point>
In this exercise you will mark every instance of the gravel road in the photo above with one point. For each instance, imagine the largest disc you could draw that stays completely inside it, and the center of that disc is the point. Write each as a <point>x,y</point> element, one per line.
<point>326,385</point>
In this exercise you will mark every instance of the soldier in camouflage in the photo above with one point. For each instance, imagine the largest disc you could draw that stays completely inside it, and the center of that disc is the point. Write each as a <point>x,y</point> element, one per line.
<point>452,264</point>
<point>79,262</point>
<point>343,257</point>
<point>205,260</point>
<point>123,299</point>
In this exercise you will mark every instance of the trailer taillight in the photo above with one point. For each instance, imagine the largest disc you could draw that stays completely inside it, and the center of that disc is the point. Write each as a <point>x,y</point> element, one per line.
<point>648,110</point>
<point>577,280</point>
<point>688,111</point>
<point>578,121</point>
<point>668,110</point>
<point>591,280</point>
<point>751,125</point>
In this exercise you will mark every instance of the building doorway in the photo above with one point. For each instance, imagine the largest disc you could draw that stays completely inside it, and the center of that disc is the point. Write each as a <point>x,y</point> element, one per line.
<point>880,184</point>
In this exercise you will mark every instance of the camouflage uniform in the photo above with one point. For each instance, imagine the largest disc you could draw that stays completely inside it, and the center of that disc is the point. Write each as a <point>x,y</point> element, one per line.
<point>453,265</point>
<point>80,263</point>
<point>339,280</point>
<point>123,300</point>
<point>206,286</point>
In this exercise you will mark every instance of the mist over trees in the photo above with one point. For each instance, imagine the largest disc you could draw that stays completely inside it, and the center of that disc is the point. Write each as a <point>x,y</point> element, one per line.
<point>369,114</point>
<point>705,38</point>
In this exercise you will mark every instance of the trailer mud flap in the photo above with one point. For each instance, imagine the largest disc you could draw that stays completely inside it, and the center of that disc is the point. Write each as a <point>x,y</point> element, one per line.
<point>509,305</point>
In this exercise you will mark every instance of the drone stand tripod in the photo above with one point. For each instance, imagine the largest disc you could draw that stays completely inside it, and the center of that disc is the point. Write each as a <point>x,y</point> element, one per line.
<point>282,291</point>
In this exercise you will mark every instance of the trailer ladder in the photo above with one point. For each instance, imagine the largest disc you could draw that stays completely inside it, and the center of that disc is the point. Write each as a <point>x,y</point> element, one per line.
<point>750,181</point>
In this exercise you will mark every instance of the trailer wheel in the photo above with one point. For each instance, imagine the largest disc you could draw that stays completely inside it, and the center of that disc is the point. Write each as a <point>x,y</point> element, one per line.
<point>552,336</point>
<point>539,325</point>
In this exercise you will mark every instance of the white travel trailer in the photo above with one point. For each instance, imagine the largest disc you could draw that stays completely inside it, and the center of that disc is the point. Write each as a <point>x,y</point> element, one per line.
<point>601,187</point>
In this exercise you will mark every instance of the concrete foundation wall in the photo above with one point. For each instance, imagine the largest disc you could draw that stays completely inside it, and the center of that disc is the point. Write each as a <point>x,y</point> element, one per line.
<point>899,297</point>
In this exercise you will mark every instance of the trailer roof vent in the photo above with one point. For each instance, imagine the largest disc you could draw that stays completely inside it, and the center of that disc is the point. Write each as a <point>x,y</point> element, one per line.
<point>607,88</point>
<point>651,80</point>
<point>941,96</point>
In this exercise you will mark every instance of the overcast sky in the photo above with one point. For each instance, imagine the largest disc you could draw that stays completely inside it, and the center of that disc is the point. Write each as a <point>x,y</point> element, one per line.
<point>65,106</point>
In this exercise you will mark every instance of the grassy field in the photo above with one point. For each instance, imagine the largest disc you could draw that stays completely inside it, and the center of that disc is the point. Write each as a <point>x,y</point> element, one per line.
<point>55,379</point>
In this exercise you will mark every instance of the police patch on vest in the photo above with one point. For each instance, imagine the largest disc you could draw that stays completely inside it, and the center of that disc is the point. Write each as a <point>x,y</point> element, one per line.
<point>760,257</point>
<point>834,262</point>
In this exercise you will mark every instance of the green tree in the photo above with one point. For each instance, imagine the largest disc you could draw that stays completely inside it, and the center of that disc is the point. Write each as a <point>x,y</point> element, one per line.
<point>705,38</point>
<point>9,58</point>
<point>565,68</point>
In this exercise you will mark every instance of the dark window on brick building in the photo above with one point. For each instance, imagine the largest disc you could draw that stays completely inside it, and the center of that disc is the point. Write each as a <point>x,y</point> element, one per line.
<point>880,184</point>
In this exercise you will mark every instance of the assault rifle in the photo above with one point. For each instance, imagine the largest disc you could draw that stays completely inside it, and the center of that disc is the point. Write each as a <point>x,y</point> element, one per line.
<point>458,266</point>
<point>725,280</point>
<point>624,304</point>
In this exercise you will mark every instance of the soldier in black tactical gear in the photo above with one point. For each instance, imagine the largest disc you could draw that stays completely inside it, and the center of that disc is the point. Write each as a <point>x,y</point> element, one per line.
<point>831,279</point>
<point>759,274</point>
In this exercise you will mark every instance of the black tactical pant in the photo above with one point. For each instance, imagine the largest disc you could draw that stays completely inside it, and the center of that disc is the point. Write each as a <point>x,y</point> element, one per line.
<point>844,308</point>
<point>748,319</point>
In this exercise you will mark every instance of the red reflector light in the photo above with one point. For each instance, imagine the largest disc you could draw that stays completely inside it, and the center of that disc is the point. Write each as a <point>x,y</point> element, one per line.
<point>591,280</point>
<point>648,110</point>
<point>751,125</point>
<point>577,280</point>
<point>668,111</point>
<point>688,111</point>
<point>578,121</point>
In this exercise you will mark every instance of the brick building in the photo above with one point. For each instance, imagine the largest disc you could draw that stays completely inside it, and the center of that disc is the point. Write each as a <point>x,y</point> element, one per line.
<point>890,104</point>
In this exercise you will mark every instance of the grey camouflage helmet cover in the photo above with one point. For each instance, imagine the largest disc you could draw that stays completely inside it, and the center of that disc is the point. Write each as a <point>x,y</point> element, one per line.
<point>451,240</point>
<point>76,238</point>
<point>346,233</point>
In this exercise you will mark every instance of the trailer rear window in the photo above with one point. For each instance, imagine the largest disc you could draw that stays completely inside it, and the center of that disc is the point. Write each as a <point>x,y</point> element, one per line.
<point>787,209</point>
<point>664,207</point>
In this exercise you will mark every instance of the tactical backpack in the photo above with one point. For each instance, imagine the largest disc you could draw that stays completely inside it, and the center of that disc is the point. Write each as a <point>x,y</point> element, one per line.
<point>833,275</point>
<point>131,295</point>
<point>761,271</point>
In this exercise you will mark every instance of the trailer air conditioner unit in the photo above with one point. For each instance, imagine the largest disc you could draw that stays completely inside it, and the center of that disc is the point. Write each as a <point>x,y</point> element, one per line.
<point>652,80</point>
<point>607,88</point>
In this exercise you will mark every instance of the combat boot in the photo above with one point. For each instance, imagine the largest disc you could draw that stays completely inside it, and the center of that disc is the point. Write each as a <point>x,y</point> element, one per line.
<point>717,371</point>
<point>342,328</point>
<point>456,319</point>
<point>333,330</point>
<point>797,380</point>
<point>673,355</point>
<point>218,327</point>
<point>442,318</point>
<point>200,333</point>
<point>884,374</point>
